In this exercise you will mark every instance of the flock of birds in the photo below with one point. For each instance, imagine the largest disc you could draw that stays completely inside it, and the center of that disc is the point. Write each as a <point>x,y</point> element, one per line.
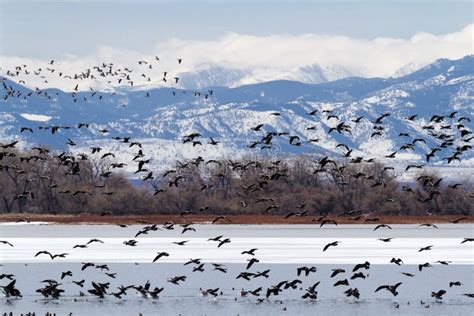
<point>109,72</point>
<point>52,288</point>
<point>449,132</point>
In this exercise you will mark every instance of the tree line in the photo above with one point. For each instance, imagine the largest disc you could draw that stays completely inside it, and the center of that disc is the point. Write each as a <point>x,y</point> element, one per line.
<point>44,182</point>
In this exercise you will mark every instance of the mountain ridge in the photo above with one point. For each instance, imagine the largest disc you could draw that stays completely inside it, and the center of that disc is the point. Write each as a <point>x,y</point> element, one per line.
<point>162,119</point>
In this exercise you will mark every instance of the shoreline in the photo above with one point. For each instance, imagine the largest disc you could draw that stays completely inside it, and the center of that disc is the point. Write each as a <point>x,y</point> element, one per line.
<point>230,219</point>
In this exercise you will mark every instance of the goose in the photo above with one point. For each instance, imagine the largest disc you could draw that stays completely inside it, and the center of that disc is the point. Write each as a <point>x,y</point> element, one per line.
<point>5,242</point>
<point>352,292</point>
<point>438,295</point>
<point>425,248</point>
<point>177,279</point>
<point>65,274</point>
<point>311,292</point>
<point>331,244</point>
<point>160,255</point>
<point>223,242</point>
<point>396,261</point>
<point>251,262</point>
<point>358,275</point>
<point>336,272</point>
<point>424,265</point>
<point>306,270</point>
<point>249,252</point>
<point>79,283</point>
<point>365,265</point>
<point>391,288</point>
<point>341,282</point>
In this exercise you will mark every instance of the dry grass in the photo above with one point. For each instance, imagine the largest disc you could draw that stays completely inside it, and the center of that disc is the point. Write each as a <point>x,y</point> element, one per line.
<point>234,219</point>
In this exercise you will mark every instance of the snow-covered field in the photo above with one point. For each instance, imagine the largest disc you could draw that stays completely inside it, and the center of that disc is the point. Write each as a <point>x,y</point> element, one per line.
<point>276,244</point>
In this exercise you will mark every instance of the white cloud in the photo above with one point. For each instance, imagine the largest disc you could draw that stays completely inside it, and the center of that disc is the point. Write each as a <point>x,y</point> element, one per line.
<point>36,117</point>
<point>268,57</point>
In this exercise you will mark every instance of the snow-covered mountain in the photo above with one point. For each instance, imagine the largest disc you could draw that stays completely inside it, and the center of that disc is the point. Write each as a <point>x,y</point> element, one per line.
<point>162,119</point>
<point>208,76</point>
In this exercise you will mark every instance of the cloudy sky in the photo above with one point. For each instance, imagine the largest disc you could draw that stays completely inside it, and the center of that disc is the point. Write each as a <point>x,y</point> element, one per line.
<point>365,38</point>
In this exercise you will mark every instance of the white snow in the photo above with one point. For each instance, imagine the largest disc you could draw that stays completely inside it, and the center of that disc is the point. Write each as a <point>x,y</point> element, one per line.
<point>271,250</point>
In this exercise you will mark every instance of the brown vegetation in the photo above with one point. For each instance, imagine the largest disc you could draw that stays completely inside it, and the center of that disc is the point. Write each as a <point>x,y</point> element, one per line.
<point>44,183</point>
<point>232,219</point>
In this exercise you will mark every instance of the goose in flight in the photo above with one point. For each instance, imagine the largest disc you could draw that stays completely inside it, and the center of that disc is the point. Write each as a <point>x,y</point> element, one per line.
<point>44,252</point>
<point>99,289</point>
<point>65,274</point>
<point>262,274</point>
<point>382,226</point>
<point>160,255</point>
<point>257,128</point>
<point>327,221</point>
<point>424,265</point>
<point>306,270</point>
<point>223,242</point>
<point>213,292</point>
<point>251,262</point>
<point>438,295</point>
<point>131,243</point>
<point>177,279</point>
<point>443,262</point>
<point>79,283</point>
<point>218,218</point>
<point>255,292</point>
<point>428,225</point>
<point>331,244</point>
<point>457,220</point>
<point>336,272</point>
<point>391,288</point>
<point>11,290</point>
<point>217,238</point>
<point>7,276</point>
<point>249,252</point>
<point>26,129</point>
<point>341,282</point>
<point>5,242</point>
<point>193,261</point>
<point>352,292</point>
<point>311,292</point>
<point>358,275</point>
<point>94,240</point>
<point>181,243</point>
<point>86,265</point>
<point>398,261</point>
<point>365,265</point>
<point>425,248</point>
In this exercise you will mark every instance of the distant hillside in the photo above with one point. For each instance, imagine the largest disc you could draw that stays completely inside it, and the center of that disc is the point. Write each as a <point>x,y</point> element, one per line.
<point>160,120</point>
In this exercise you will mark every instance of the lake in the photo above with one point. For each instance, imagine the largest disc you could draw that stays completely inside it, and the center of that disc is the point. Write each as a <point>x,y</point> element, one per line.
<point>281,249</point>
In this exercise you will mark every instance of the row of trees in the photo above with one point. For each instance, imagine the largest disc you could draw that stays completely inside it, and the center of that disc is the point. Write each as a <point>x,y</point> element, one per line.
<point>43,182</point>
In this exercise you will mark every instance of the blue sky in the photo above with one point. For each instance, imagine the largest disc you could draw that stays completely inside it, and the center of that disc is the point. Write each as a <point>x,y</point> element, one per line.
<point>266,40</point>
<point>46,28</point>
